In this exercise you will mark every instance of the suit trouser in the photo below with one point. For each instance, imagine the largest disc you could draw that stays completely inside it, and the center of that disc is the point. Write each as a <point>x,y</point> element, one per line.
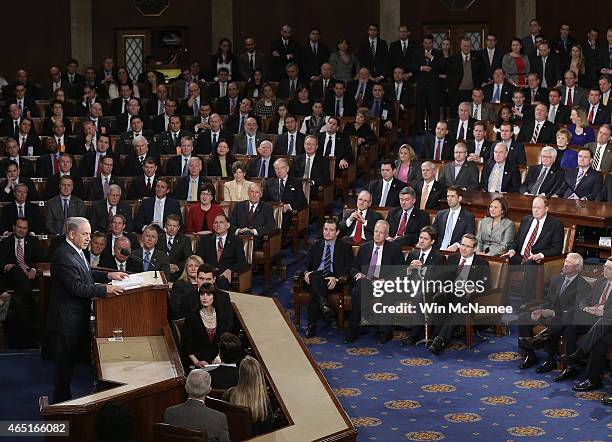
<point>597,332</point>
<point>68,349</point>
<point>318,296</point>
<point>362,285</point>
<point>222,283</point>
<point>530,271</point>
<point>22,320</point>
<point>597,357</point>
<point>569,333</point>
<point>445,323</point>
<point>427,98</point>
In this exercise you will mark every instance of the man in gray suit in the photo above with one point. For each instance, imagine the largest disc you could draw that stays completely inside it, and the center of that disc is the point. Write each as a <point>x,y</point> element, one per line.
<point>602,149</point>
<point>193,413</point>
<point>62,207</point>
<point>460,173</point>
<point>246,143</point>
<point>250,60</point>
<point>571,93</point>
<point>480,110</point>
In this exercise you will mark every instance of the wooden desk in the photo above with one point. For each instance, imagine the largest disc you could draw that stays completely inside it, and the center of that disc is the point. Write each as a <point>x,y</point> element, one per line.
<point>589,213</point>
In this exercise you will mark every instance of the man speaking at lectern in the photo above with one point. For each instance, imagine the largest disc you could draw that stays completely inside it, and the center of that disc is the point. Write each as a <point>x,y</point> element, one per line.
<point>72,289</point>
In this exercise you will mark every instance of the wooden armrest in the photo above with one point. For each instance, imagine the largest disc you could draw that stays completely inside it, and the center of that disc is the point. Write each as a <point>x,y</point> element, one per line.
<point>554,258</point>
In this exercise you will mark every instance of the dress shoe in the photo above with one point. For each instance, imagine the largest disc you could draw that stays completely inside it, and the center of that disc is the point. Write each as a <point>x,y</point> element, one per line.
<point>541,339</point>
<point>384,337</point>
<point>530,361</point>
<point>437,346</point>
<point>574,359</point>
<point>408,342</point>
<point>587,386</point>
<point>568,373</point>
<point>546,367</point>
<point>525,342</point>
<point>607,400</point>
<point>311,331</point>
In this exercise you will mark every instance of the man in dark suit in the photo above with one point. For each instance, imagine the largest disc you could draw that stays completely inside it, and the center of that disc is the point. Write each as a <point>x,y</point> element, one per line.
<point>462,267</point>
<point>21,208</point>
<point>452,223</point>
<point>382,108</point>
<point>65,168</point>
<point>521,111</point>
<point>178,165</point>
<point>426,66</point>
<point>71,76</point>
<point>13,155</point>
<point>134,162</point>
<point>288,87</point>
<point>464,71</point>
<point>360,89</point>
<point>400,51</point>
<point>335,144</point>
<point>25,103</point>
<point>358,225</point>
<point>584,182</point>
<point>223,250</point>
<point>176,245</point>
<point>378,259</point>
<point>144,185</point>
<point>263,165</point>
<point>123,122</point>
<point>429,191</point>
<point>462,128</point>
<point>479,110</point>
<point>499,174</point>
<point>193,413</point>
<point>102,211</point>
<point>246,143</point>
<point>231,103</point>
<point>119,105</point>
<point>460,173</point>
<point>19,255</point>
<point>291,142</point>
<point>13,177</point>
<point>491,56</point>
<point>285,189</point>
<point>424,262</point>
<point>314,53</point>
<point>283,50</point>
<point>156,105</point>
<point>119,261</point>
<point>440,146</point>
<point>406,221</point>
<point>340,103</point>
<point>214,91</point>
<point>169,141</point>
<point>500,91</point>
<point>72,289</point>
<point>479,149</point>
<point>48,163</point>
<point>155,210</point>
<point>184,188</point>
<point>557,313</point>
<point>161,122</point>
<point>191,103</point>
<point>209,138</point>
<point>91,165</point>
<point>250,60</point>
<point>324,85</point>
<point>63,206</point>
<point>602,149</point>
<point>546,177</point>
<point>101,124</point>
<point>534,93</point>
<point>571,93</point>
<point>225,376</point>
<point>311,166</point>
<point>236,121</point>
<point>562,46</point>
<point>546,65</point>
<point>597,113</point>
<point>385,191</point>
<point>327,261</point>
<point>117,230</point>
<point>100,186</point>
<point>373,53</point>
<point>27,139</point>
<point>516,149</point>
<point>557,113</point>
<point>529,42</point>
<point>539,130</point>
<point>253,217</point>
<point>9,127</point>
<point>399,90</point>
<point>150,257</point>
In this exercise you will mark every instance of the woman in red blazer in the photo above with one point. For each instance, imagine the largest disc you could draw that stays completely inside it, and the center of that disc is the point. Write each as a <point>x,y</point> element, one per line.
<point>202,215</point>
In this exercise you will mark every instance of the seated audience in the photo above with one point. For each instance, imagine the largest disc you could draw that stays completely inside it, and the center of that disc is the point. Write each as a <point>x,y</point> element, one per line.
<point>546,177</point>
<point>103,211</point>
<point>358,225</point>
<point>385,190</point>
<point>263,165</point>
<point>62,207</point>
<point>170,142</point>
<point>460,173</point>
<point>236,189</point>
<point>95,255</point>
<point>134,162</point>
<point>407,167</point>
<point>361,128</point>
<point>315,122</point>
<point>186,286</point>
<point>187,187</point>
<point>583,182</point>
<point>150,257</point>
<point>99,187</point>
<point>21,169</point>
<point>154,210</point>
<point>602,149</point>
<point>286,190</point>
<point>579,128</point>
<point>406,221</point>
<point>208,138</point>
<point>429,191</point>
<point>220,161</point>
<point>57,116</point>
<point>499,174</point>
<point>335,144</point>
<point>253,217</point>
<point>119,261</point>
<point>143,186</point>
<point>201,215</point>
<point>452,223</point>
<point>566,158</point>
<point>176,245</point>
<point>277,124</point>
<point>302,103</point>
<point>246,142</point>
<point>440,146</point>
<point>117,230</point>
<point>311,166</point>
<point>225,376</point>
<point>290,142</point>
<point>496,231</point>
<point>539,130</point>
<point>20,207</point>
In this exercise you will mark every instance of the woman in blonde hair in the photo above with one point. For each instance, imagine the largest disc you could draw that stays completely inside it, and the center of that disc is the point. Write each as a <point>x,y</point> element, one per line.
<point>407,168</point>
<point>185,286</point>
<point>251,392</point>
<point>580,130</point>
<point>577,65</point>
<point>361,128</point>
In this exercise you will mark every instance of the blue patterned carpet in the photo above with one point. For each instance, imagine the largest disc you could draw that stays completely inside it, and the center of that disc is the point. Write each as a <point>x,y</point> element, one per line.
<point>394,393</point>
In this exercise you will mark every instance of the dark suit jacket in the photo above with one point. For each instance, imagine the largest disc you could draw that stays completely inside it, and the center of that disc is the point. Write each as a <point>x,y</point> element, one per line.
<point>541,95</point>
<point>352,88</point>
<point>317,92</point>
<point>479,271</point>
<point>386,112</point>
<point>434,263</point>
<point>240,146</point>
<point>7,128</point>
<point>371,218</point>
<point>44,165</point>
<point>174,166</point>
<point>232,256</point>
<point>551,183</point>
<point>467,177</point>
<point>310,63</point>
<point>31,251</point>
<point>32,193</point>
<point>454,70</point>
<point>124,144</point>
<point>293,194</point>
<point>158,123</point>
<point>213,165</point>
<point>282,143</point>
<point>343,149</point>
<point>453,127</point>
<point>465,224</point>
<point>406,95</point>
<point>116,104</point>
<point>547,134</point>
<point>602,116</point>
<point>244,66</point>
<point>26,167</point>
<point>52,187</point>
<point>550,241</point>
<point>437,192</point>
<point>255,167</point>
<point>418,219</point>
<point>159,261</point>
<point>103,127</point>
<point>132,166</point>
<point>397,58</point>
<point>319,171</point>
<point>88,163</point>
<point>516,153</point>
<point>391,256</point>
<point>563,114</point>
<point>489,67</point>
<point>32,141</point>
<point>181,250</point>
<point>224,377</point>
<point>54,218</point>
<point>166,144</point>
<point>131,265</point>
<point>181,189</point>
<point>72,289</point>
<point>485,150</point>
<point>564,303</point>
<point>262,219</point>
<point>342,259</point>
<point>377,64</point>
<point>29,105</point>
<point>32,213</point>
<point>284,88</point>
<point>96,190</point>
<point>223,106</point>
<point>511,181</point>
<point>590,186</point>
<point>276,64</point>
<point>99,216</point>
<point>138,188</point>
<point>552,72</point>
<point>429,148</point>
<point>376,188</point>
<point>232,124</point>
<point>505,96</point>
<point>204,146</point>
<point>147,210</point>
<point>350,107</point>
<point>109,243</point>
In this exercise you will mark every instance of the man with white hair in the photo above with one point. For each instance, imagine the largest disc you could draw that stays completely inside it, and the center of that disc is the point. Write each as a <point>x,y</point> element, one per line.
<point>193,413</point>
<point>285,189</point>
<point>103,211</point>
<point>246,143</point>
<point>557,313</point>
<point>141,150</point>
<point>544,178</point>
<point>188,187</point>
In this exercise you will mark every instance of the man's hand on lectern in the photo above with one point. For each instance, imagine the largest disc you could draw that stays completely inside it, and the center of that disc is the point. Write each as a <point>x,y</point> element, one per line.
<point>113,289</point>
<point>118,276</point>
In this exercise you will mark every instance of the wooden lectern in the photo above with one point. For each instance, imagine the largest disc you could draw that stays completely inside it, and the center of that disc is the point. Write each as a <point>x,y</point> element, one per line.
<point>143,371</point>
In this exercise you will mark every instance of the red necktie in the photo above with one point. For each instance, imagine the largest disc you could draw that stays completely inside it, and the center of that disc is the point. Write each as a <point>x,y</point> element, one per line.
<point>438,155</point>
<point>402,226</point>
<point>358,228</point>
<point>219,249</point>
<point>569,98</point>
<point>604,295</point>
<point>110,217</point>
<point>55,164</point>
<point>591,114</point>
<point>532,239</point>
<point>461,265</point>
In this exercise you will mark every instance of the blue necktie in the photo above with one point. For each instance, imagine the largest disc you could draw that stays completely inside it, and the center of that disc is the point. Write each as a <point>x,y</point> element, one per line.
<point>250,150</point>
<point>496,95</point>
<point>448,232</point>
<point>146,261</point>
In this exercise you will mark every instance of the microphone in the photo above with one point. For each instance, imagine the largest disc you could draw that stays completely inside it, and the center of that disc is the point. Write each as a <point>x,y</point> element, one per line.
<point>578,202</point>
<point>126,252</point>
